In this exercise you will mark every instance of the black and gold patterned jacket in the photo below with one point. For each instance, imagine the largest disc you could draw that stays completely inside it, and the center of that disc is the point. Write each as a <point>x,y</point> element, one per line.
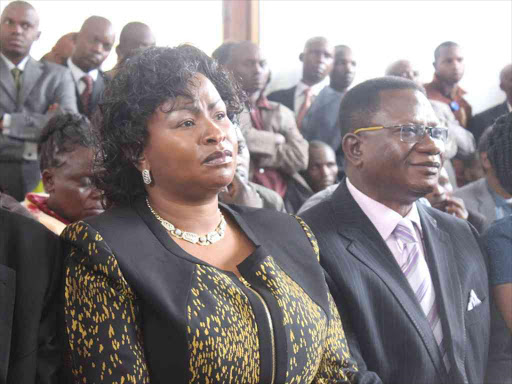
<point>139,309</point>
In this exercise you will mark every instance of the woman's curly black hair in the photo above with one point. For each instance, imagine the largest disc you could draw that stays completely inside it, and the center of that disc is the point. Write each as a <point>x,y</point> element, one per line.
<point>499,151</point>
<point>143,84</point>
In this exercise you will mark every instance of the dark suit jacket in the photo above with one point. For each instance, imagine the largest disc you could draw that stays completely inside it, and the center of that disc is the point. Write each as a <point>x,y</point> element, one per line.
<point>43,84</point>
<point>384,323</point>
<point>479,122</point>
<point>284,96</point>
<point>30,272</point>
<point>97,91</point>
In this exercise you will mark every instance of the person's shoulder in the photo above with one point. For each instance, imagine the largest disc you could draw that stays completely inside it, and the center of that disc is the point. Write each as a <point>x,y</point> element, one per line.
<point>471,188</point>
<point>491,113</point>
<point>282,95</point>
<point>318,198</point>
<point>500,228</point>
<point>19,225</point>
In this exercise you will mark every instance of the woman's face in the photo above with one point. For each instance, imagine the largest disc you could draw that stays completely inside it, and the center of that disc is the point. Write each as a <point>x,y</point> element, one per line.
<point>191,150</point>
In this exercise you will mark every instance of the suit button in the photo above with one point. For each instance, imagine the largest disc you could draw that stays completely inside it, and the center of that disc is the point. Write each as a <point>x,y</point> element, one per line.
<point>261,170</point>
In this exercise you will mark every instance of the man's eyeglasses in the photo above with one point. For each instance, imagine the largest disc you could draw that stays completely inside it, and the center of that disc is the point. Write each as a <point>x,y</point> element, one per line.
<point>412,133</point>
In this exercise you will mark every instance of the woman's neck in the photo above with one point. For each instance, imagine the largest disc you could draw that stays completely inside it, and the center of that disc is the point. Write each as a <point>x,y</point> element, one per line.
<point>199,217</point>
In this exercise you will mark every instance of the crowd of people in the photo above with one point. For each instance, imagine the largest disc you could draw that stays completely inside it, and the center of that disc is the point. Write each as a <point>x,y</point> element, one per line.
<point>170,220</point>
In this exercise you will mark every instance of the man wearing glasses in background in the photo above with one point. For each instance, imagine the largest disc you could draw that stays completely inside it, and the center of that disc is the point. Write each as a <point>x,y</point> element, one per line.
<point>409,281</point>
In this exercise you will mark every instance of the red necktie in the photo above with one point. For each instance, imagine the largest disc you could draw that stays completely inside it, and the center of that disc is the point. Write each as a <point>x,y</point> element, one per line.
<point>308,98</point>
<point>85,97</point>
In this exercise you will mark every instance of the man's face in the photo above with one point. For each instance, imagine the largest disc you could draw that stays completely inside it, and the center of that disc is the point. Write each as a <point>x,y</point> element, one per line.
<point>72,194</point>
<point>450,65</point>
<point>250,67</point>
<point>506,82</point>
<point>19,28</point>
<point>317,59</point>
<point>143,39</point>
<point>405,69</point>
<point>442,191</point>
<point>322,168</point>
<point>395,170</point>
<point>93,44</point>
<point>344,69</point>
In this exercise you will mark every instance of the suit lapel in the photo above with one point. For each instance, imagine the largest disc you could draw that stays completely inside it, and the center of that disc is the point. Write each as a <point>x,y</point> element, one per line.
<point>442,266</point>
<point>486,205</point>
<point>366,244</point>
<point>33,70</point>
<point>7,82</point>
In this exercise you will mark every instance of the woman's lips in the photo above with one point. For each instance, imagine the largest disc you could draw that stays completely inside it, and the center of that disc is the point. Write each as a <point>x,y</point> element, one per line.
<point>219,158</point>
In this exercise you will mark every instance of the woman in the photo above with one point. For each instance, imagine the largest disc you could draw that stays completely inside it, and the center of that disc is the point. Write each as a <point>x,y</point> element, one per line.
<point>65,152</point>
<point>498,239</point>
<point>169,286</point>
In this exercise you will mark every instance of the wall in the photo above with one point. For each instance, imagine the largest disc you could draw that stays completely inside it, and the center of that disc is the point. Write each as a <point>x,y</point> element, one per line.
<point>173,22</point>
<point>381,32</point>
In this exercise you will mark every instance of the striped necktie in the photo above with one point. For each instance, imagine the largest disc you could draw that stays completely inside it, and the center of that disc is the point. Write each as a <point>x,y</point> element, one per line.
<point>16,74</point>
<point>416,271</point>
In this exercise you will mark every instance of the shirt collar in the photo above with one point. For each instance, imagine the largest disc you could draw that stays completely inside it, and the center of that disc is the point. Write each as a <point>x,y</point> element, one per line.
<point>509,107</point>
<point>383,218</point>
<point>263,102</point>
<point>315,89</point>
<point>78,73</point>
<point>10,64</point>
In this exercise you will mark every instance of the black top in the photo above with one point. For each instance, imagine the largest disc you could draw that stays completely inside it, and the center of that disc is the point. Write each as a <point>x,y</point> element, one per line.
<point>140,308</point>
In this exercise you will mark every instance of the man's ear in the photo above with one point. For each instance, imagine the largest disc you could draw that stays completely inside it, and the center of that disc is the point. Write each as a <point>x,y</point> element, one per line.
<point>301,57</point>
<point>352,149</point>
<point>48,179</point>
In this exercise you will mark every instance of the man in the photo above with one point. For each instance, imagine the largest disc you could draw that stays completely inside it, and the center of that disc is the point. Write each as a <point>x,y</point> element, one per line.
<point>134,36</point>
<point>403,68</point>
<point>62,50</point>
<point>449,68</point>
<point>412,308</point>
<point>321,173</point>
<point>93,45</point>
<point>278,150</point>
<point>320,122</point>
<point>241,191</point>
<point>485,119</point>
<point>31,92</point>
<point>29,284</point>
<point>486,195</point>
<point>442,198</point>
<point>317,61</point>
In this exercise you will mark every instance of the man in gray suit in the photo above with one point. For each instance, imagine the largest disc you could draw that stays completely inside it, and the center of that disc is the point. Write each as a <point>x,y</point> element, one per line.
<point>31,93</point>
<point>410,281</point>
<point>486,195</point>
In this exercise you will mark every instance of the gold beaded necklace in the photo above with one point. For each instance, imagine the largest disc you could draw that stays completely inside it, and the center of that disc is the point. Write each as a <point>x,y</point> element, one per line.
<point>207,239</point>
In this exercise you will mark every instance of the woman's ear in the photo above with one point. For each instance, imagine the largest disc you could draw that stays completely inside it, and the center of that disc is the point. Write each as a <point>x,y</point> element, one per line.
<point>353,149</point>
<point>48,179</point>
<point>142,163</point>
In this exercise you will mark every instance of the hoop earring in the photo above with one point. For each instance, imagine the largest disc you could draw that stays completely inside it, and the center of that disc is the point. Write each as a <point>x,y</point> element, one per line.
<point>146,176</point>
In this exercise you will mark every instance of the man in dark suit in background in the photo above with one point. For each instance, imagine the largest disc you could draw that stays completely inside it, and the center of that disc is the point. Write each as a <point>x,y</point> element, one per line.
<point>481,121</point>
<point>317,60</point>
<point>30,272</point>
<point>93,45</point>
<point>410,281</point>
<point>31,92</point>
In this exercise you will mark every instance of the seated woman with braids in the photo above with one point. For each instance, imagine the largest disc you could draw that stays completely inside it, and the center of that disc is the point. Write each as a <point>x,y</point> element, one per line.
<point>65,151</point>
<point>498,243</point>
<point>168,285</point>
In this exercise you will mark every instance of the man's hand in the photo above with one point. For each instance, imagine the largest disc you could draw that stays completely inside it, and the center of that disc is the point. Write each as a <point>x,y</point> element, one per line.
<point>280,139</point>
<point>455,206</point>
<point>239,192</point>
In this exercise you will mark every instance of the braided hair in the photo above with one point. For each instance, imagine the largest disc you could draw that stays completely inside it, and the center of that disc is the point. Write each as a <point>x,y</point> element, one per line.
<point>62,134</point>
<point>499,151</point>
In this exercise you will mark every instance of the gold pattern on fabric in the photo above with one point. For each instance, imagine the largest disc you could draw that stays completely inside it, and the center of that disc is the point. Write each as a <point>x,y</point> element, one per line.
<point>101,317</point>
<point>222,331</point>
